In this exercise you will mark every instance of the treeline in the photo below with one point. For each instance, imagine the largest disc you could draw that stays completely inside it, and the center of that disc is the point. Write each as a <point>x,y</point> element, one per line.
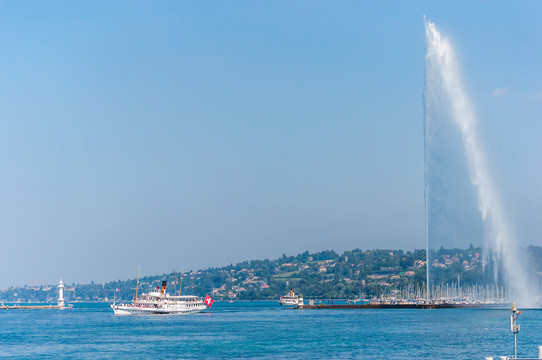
<point>322,275</point>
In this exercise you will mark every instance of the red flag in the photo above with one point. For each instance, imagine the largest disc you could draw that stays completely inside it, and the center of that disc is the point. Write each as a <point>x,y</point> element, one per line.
<point>208,301</point>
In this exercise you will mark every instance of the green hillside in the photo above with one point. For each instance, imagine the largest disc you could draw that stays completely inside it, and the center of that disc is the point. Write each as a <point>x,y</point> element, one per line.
<point>323,275</point>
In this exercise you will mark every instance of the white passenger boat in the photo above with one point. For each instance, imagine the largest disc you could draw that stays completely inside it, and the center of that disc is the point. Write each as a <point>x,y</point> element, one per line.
<point>160,302</point>
<point>291,299</point>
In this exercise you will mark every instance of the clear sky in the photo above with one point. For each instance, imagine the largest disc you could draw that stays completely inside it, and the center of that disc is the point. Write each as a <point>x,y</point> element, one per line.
<point>195,134</point>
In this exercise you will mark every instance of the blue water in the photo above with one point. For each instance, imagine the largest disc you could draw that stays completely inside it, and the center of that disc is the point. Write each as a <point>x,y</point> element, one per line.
<point>261,330</point>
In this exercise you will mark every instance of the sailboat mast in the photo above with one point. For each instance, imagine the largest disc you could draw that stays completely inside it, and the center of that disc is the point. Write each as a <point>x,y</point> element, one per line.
<point>180,283</point>
<point>137,285</point>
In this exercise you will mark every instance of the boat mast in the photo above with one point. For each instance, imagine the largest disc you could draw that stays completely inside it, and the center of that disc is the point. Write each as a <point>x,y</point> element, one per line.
<point>137,285</point>
<point>181,282</point>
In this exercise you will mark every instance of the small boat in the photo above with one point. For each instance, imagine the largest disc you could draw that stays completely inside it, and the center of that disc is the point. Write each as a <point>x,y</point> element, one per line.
<point>160,302</point>
<point>291,299</point>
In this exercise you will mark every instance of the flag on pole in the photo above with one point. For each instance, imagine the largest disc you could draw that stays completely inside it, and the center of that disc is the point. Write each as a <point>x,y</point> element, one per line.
<point>117,289</point>
<point>208,300</point>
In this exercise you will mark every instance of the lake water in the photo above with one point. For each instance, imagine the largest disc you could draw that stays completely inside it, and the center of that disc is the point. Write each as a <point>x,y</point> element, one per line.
<point>261,330</point>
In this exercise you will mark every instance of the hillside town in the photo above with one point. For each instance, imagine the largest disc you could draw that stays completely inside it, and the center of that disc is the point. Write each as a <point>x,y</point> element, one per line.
<point>323,275</point>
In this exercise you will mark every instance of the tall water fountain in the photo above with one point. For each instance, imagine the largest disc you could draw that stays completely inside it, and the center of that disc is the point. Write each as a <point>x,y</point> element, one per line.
<point>462,204</point>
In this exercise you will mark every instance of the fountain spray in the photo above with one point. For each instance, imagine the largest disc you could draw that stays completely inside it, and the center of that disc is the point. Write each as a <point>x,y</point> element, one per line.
<point>444,93</point>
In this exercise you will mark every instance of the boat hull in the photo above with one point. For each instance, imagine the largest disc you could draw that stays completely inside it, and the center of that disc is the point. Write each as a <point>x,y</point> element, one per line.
<point>291,301</point>
<point>136,310</point>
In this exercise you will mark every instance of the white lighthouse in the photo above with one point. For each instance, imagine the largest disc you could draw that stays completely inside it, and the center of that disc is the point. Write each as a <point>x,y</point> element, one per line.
<point>61,294</point>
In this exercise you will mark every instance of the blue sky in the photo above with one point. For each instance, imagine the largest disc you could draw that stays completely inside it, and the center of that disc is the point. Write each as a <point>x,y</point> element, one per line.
<point>190,134</point>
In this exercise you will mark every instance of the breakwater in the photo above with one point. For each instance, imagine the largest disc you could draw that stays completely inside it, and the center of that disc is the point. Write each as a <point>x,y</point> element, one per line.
<point>404,306</point>
<point>31,307</point>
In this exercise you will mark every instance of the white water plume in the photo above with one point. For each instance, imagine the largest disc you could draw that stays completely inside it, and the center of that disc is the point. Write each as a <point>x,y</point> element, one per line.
<point>445,97</point>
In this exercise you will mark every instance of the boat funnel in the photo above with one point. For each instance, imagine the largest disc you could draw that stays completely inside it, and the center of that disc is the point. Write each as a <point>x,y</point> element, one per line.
<point>163,291</point>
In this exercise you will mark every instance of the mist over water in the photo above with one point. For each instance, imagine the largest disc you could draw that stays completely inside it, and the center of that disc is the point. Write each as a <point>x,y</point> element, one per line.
<point>453,153</point>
